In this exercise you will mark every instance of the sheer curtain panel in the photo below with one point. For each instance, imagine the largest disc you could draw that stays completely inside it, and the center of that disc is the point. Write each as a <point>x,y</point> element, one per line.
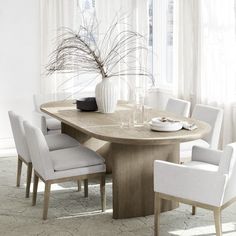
<point>55,15</point>
<point>134,15</point>
<point>205,55</point>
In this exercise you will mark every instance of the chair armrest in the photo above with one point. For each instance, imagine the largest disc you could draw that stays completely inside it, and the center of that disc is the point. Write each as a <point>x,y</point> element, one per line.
<point>207,155</point>
<point>189,183</point>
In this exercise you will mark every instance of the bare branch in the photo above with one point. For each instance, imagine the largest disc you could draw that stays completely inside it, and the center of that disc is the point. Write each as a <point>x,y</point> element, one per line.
<point>81,52</point>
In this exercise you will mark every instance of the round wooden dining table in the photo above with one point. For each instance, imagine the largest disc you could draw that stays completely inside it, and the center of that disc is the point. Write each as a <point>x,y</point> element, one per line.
<point>129,151</point>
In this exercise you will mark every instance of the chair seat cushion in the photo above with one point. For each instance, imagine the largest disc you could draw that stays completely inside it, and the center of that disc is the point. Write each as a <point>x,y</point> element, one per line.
<point>186,147</point>
<point>76,157</point>
<point>202,166</point>
<point>53,124</point>
<point>60,141</point>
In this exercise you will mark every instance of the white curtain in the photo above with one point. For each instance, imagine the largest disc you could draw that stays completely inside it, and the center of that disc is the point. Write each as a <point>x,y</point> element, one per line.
<point>205,55</point>
<point>186,47</point>
<point>55,15</point>
<point>67,13</point>
<point>136,19</point>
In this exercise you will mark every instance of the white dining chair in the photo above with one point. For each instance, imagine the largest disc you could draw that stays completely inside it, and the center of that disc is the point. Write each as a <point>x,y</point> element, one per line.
<point>214,117</point>
<point>178,107</point>
<point>47,124</point>
<point>54,142</point>
<point>208,181</point>
<point>77,163</point>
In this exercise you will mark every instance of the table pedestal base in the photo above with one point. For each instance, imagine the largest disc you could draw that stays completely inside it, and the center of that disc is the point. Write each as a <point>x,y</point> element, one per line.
<point>132,172</point>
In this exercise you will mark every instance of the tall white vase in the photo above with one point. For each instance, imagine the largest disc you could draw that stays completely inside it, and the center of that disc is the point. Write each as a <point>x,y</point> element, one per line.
<point>106,95</point>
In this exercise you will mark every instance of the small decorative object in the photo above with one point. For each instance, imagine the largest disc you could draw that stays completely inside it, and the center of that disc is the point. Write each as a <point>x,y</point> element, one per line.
<point>189,126</point>
<point>139,108</point>
<point>106,96</point>
<point>113,56</point>
<point>165,124</point>
<point>86,104</point>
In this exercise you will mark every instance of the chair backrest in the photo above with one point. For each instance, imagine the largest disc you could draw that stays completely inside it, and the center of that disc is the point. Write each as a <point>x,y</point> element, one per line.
<point>228,166</point>
<point>178,107</point>
<point>39,99</point>
<point>39,151</point>
<point>214,117</point>
<point>225,165</point>
<point>19,136</point>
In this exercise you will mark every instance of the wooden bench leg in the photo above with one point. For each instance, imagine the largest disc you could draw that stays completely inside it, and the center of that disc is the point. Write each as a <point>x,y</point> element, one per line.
<point>85,188</point>
<point>218,223</point>
<point>194,209</point>
<point>157,205</point>
<point>35,189</point>
<point>79,185</point>
<point>46,199</point>
<point>19,168</point>
<point>28,180</point>
<point>103,192</point>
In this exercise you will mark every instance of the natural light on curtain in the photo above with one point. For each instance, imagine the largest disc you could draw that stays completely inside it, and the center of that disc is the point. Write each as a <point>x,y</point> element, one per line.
<point>56,14</point>
<point>205,56</point>
<point>134,15</point>
<point>218,51</point>
<point>217,57</point>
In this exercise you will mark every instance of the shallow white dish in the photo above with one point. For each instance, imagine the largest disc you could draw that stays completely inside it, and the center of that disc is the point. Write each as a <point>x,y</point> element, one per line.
<point>168,126</point>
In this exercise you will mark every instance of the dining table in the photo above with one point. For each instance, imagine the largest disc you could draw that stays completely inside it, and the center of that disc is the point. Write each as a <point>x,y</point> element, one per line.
<point>129,149</point>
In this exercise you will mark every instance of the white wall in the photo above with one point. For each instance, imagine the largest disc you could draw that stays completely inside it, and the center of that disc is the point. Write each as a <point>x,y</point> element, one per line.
<point>19,61</point>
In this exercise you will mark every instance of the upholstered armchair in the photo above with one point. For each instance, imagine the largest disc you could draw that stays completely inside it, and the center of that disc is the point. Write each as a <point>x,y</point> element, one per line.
<point>178,107</point>
<point>214,117</point>
<point>47,124</point>
<point>54,142</point>
<point>69,164</point>
<point>208,181</point>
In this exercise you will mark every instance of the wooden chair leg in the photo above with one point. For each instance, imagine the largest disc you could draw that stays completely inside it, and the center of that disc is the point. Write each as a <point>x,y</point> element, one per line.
<point>218,223</point>
<point>157,205</point>
<point>35,189</point>
<point>79,185</point>
<point>28,180</point>
<point>46,199</point>
<point>19,168</point>
<point>85,188</point>
<point>194,209</point>
<point>103,192</point>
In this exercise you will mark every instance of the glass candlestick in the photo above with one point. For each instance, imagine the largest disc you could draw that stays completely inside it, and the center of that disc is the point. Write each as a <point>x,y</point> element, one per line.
<point>139,108</point>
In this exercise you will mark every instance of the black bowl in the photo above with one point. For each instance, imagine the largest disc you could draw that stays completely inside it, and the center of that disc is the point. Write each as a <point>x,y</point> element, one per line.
<point>87,104</point>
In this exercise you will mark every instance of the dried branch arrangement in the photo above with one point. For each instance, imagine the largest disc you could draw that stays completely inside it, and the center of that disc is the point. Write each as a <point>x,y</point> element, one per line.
<point>117,54</point>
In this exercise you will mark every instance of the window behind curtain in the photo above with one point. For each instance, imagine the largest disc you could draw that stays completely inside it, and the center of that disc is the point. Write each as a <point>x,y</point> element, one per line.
<point>84,84</point>
<point>161,37</point>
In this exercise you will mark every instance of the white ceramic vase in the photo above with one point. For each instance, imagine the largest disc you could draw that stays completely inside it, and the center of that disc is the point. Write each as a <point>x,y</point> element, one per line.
<point>106,94</point>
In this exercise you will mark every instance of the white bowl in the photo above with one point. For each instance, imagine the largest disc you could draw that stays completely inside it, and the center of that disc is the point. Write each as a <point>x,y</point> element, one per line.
<point>157,124</point>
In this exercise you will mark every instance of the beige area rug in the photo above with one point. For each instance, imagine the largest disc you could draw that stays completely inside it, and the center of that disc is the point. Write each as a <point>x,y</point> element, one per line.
<point>72,214</point>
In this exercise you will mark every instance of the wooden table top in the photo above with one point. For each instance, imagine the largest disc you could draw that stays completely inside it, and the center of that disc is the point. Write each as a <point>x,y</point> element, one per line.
<point>107,127</point>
